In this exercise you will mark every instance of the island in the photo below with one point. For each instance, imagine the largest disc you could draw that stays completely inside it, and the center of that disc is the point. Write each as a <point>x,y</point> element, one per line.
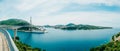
<point>72,26</point>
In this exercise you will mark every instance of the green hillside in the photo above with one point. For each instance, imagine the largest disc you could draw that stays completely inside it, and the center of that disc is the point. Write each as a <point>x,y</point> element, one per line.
<point>72,26</point>
<point>15,22</point>
<point>113,45</point>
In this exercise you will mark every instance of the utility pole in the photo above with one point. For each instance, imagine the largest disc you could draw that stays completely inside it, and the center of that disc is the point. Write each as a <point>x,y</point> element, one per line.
<point>15,33</point>
<point>30,24</point>
<point>30,20</point>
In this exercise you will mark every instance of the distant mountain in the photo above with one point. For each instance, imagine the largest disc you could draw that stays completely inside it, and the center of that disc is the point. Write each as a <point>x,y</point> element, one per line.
<point>72,26</point>
<point>14,22</point>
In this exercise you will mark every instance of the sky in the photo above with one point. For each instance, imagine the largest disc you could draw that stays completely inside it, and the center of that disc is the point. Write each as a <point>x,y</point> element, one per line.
<point>52,12</point>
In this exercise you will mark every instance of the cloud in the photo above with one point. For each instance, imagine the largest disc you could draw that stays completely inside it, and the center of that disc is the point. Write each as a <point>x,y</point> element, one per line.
<point>44,4</point>
<point>46,7</point>
<point>93,18</point>
<point>51,11</point>
<point>75,7</point>
<point>29,4</point>
<point>40,7</point>
<point>107,2</point>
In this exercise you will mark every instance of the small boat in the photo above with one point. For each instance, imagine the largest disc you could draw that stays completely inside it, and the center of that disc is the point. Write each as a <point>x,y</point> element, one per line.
<point>35,31</point>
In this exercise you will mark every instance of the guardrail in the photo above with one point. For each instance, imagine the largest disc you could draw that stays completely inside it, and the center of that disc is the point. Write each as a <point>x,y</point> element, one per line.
<point>11,43</point>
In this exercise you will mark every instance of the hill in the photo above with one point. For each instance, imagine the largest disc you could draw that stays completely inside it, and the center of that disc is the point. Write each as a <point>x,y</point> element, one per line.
<point>15,22</point>
<point>72,26</point>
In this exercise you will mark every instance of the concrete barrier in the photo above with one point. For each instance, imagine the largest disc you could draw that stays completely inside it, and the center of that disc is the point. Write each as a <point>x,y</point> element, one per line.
<point>11,43</point>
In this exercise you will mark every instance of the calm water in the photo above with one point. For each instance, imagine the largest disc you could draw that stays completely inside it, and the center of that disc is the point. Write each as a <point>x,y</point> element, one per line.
<point>63,40</point>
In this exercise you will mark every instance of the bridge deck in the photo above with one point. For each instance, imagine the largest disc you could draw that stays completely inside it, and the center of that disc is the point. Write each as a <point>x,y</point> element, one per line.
<point>3,43</point>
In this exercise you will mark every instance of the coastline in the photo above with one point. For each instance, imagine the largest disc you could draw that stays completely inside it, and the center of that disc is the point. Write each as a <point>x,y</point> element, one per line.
<point>24,47</point>
<point>112,45</point>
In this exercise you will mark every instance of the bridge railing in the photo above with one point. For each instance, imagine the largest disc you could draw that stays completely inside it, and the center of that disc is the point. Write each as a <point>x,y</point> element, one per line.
<point>11,43</point>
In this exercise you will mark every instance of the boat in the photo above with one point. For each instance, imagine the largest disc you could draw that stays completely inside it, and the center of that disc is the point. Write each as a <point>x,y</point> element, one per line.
<point>35,31</point>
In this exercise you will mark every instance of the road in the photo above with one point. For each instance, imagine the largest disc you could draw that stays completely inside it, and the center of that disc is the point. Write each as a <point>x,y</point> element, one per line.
<point>3,43</point>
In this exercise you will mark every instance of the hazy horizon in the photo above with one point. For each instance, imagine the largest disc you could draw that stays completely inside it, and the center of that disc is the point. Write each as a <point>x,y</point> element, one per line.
<point>53,12</point>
